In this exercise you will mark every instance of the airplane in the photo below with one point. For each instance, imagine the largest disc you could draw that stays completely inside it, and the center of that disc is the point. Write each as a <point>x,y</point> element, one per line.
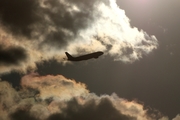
<point>84,57</point>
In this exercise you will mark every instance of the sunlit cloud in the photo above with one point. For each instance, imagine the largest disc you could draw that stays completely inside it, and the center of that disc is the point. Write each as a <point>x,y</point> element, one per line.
<point>56,97</point>
<point>46,29</point>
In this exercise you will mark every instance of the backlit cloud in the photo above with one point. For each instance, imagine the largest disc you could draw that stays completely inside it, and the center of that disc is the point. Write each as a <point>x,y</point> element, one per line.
<point>44,29</point>
<point>56,97</point>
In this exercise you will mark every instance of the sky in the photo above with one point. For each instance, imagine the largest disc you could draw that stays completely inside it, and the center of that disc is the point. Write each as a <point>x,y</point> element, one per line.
<point>137,77</point>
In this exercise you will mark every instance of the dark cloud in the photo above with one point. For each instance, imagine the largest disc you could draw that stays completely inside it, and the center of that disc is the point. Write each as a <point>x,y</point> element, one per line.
<point>22,115</point>
<point>12,55</point>
<point>71,20</point>
<point>33,18</point>
<point>68,20</point>
<point>44,23</point>
<point>104,110</point>
<point>18,16</point>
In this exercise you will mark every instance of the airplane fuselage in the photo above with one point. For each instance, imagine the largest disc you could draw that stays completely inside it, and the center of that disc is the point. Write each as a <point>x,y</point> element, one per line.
<point>84,57</point>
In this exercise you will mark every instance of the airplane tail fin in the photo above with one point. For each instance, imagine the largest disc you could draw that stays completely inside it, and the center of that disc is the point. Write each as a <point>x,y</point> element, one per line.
<point>68,55</point>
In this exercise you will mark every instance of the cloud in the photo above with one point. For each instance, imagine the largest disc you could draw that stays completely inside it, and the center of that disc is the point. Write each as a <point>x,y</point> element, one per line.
<point>177,117</point>
<point>44,29</point>
<point>104,110</point>
<point>56,97</point>
<point>12,55</point>
<point>18,16</point>
<point>50,86</point>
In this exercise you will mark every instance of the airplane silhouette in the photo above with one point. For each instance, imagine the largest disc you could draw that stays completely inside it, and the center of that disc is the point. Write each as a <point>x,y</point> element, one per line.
<point>84,57</point>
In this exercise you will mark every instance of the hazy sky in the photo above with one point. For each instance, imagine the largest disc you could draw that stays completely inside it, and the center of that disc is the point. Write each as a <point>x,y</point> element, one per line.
<point>137,78</point>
